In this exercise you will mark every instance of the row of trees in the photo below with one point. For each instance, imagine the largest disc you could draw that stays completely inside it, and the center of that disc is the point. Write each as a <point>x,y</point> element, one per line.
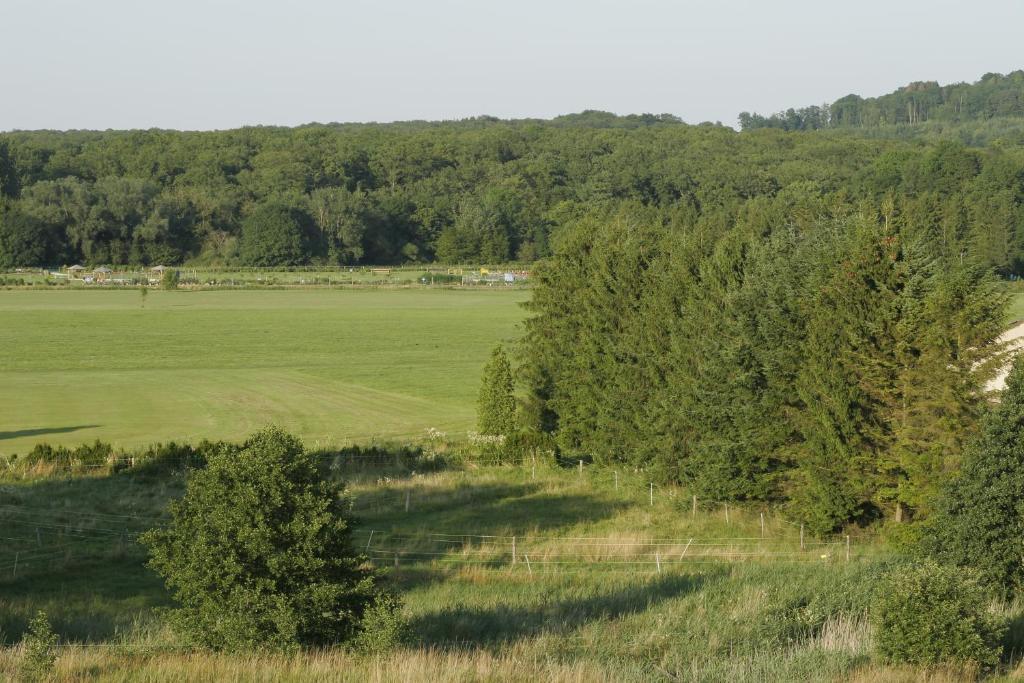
<point>993,96</point>
<point>474,191</point>
<point>812,350</point>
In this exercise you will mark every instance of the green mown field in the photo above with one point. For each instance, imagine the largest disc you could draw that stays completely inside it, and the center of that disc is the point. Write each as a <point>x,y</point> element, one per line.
<point>330,365</point>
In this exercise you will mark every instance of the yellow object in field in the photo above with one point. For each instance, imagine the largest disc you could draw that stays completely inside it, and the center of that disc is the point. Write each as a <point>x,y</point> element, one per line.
<point>484,271</point>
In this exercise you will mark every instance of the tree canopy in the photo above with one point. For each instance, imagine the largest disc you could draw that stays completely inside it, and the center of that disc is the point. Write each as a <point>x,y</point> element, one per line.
<point>480,190</point>
<point>807,351</point>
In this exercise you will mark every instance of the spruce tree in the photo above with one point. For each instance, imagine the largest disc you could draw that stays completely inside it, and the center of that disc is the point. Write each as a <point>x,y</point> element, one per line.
<point>979,520</point>
<point>496,406</point>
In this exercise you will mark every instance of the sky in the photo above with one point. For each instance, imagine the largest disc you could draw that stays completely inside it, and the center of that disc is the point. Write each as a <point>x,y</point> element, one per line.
<point>214,64</point>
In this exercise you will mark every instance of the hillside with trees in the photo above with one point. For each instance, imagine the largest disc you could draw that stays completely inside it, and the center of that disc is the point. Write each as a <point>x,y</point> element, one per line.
<point>481,190</point>
<point>993,96</point>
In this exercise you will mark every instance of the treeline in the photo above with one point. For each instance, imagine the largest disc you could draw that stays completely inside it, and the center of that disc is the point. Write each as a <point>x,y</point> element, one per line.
<point>815,350</point>
<point>993,96</point>
<point>480,190</point>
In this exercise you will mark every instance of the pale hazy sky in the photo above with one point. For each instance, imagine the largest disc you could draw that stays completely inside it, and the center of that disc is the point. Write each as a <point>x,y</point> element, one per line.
<point>201,64</point>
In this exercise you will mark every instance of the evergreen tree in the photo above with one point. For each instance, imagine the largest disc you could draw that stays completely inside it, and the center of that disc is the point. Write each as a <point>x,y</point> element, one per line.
<point>259,552</point>
<point>979,521</point>
<point>496,406</point>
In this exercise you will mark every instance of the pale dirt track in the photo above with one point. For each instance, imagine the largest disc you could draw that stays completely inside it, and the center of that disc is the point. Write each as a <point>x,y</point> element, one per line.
<point>1014,338</point>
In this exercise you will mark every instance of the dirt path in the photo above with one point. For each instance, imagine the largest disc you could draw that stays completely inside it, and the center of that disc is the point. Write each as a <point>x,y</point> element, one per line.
<point>1014,337</point>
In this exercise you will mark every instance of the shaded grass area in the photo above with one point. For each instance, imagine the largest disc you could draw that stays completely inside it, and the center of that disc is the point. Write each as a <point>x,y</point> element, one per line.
<point>587,619</point>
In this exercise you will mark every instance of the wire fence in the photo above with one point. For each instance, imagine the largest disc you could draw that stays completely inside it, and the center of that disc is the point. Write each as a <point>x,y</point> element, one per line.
<point>547,552</point>
<point>59,533</point>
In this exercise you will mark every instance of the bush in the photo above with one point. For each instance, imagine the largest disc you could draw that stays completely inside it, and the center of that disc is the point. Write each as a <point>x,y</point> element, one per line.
<point>170,279</point>
<point>521,447</point>
<point>84,456</point>
<point>259,552</point>
<point>930,613</point>
<point>40,655</point>
<point>383,626</point>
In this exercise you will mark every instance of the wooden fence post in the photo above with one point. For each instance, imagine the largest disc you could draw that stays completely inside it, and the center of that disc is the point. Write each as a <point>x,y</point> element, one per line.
<point>652,493</point>
<point>513,550</point>
<point>801,537</point>
<point>762,525</point>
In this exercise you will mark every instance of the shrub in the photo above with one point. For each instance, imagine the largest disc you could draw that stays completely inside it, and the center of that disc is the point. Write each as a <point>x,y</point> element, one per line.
<point>929,613</point>
<point>383,626</point>
<point>40,655</point>
<point>259,551</point>
<point>521,447</point>
<point>84,456</point>
<point>170,279</point>
<point>496,405</point>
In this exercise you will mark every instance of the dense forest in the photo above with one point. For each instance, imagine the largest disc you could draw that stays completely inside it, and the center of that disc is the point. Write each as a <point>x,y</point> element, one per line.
<point>821,342</point>
<point>481,190</point>
<point>824,354</point>
<point>994,96</point>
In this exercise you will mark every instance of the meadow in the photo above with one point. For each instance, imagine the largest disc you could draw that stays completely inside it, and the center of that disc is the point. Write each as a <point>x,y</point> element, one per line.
<point>543,570</point>
<point>605,582</point>
<point>331,365</point>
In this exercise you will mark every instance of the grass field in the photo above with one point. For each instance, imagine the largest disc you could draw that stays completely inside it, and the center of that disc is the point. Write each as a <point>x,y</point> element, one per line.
<point>330,365</point>
<point>604,585</point>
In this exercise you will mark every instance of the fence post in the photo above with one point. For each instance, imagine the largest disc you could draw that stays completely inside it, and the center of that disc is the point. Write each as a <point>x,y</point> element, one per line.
<point>16,565</point>
<point>528,567</point>
<point>581,468</point>
<point>652,493</point>
<point>695,507</point>
<point>847,547</point>
<point>762,525</point>
<point>368,541</point>
<point>396,559</point>
<point>726,513</point>
<point>407,494</point>
<point>513,550</point>
<point>657,559</point>
<point>801,537</point>
<point>616,480</point>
